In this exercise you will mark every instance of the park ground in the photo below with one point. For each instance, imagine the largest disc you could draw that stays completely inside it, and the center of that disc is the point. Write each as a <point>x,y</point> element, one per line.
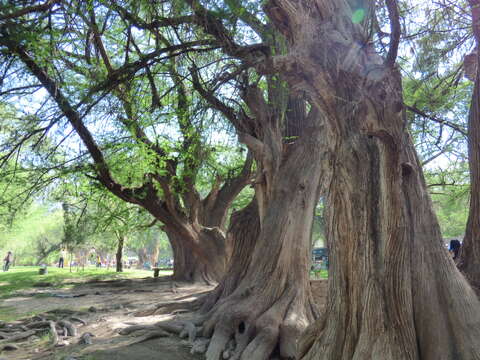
<point>103,303</point>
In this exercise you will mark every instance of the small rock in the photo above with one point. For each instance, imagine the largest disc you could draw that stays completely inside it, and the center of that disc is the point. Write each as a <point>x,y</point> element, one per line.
<point>226,354</point>
<point>92,309</point>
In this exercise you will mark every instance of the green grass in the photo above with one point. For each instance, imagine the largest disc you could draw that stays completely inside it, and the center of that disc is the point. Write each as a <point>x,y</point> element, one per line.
<point>21,278</point>
<point>319,274</point>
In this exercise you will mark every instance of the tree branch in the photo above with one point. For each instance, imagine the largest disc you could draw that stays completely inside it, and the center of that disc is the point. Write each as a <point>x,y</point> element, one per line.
<point>252,54</point>
<point>74,118</point>
<point>394,32</point>
<point>437,120</point>
<point>155,24</point>
<point>29,9</point>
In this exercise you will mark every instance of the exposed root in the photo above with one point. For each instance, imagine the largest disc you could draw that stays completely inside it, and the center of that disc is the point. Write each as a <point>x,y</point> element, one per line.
<point>135,328</point>
<point>163,329</point>
<point>86,338</point>
<point>170,308</point>
<point>53,333</point>
<point>150,335</point>
<point>190,330</point>
<point>8,347</point>
<point>38,324</point>
<point>200,346</point>
<point>53,322</point>
<point>250,327</point>
<point>81,321</point>
<point>174,327</point>
<point>17,336</point>
<point>71,330</point>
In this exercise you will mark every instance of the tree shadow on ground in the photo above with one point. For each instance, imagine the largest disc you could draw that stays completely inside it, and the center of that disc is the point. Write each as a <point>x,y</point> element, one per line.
<point>168,348</point>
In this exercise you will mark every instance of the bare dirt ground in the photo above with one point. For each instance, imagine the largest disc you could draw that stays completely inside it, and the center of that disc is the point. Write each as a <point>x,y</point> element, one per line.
<point>107,307</point>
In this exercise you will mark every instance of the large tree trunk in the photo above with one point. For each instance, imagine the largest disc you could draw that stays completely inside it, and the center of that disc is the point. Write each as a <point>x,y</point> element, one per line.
<point>394,293</point>
<point>155,252</point>
<point>119,254</point>
<point>470,255</point>
<point>242,235</point>
<point>142,257</point>
<point>265,301</point>
<point>199,256</point>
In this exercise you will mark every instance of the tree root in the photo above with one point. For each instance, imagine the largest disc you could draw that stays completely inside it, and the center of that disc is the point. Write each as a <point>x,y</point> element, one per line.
<point>71,330</point>
<point>151,335</point>
<point>81,321</point>
<point>18,336</point>
<point>135,328</point>
<point>53,333</point>
<point>38,324</point>
<point>170,308</point>
<point>86,338</point>
<point>189,330</point>
<point>248,328</point>
<point>52,322</point>
<point>184,329</point>
<point>8,347</point>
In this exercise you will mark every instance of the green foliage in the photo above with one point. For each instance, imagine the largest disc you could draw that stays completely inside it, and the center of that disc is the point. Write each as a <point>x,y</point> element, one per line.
<point>449,188</point>
<point>34,235</point>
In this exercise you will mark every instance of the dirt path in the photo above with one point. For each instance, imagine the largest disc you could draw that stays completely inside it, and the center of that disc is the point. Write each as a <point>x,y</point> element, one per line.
<point>109,307</point>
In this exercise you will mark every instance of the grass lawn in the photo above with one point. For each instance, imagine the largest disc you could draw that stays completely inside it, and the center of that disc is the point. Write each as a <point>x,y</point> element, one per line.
<point>319,274</point>
<point>21,278</point>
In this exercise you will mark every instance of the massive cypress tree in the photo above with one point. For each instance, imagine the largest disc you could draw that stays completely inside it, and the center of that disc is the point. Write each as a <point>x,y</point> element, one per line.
<point>394,291</point>
<point>470,255</point>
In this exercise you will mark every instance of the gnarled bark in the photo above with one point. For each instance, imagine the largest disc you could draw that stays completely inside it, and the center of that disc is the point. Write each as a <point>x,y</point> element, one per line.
<point>272,303</point>
<point>470,255</point>
<point>198,255</point>
<point>242,235</point>
<point>394,293</point>
<point>265,302</point>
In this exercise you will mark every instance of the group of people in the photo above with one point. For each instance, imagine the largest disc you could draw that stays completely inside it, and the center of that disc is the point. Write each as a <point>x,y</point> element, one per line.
<point>454,249</point>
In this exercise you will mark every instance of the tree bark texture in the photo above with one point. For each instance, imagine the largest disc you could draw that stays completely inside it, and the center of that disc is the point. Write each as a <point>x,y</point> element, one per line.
<point>242,234</point>
<point>199,255</point>
<point>265,301</point>
<point>155,252</point>
<point>470,254</point>
<point>394,292</point>
<point>142,257</point>
<point>119,254</point>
